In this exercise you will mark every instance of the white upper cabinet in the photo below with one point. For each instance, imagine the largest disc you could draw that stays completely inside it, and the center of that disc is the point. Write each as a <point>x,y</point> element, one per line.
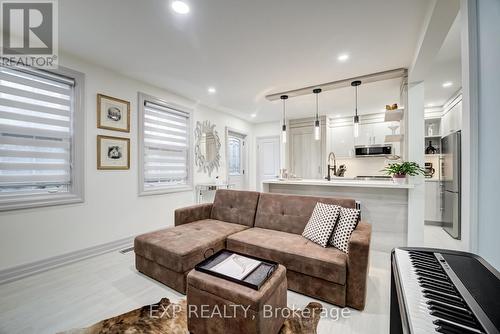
<point>446,124</point>
<point>372,130</point>
<point>342,140</point>
<point>452,117</point>
<point>372,133</point>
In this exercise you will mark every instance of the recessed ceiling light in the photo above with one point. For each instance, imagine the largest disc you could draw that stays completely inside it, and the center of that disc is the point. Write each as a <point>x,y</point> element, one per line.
<point>343,57</point>
<point>430,105</point>
<point>253,115</point>
<point>212,90</point>
<point>180,7</point>
<point>447,84</point>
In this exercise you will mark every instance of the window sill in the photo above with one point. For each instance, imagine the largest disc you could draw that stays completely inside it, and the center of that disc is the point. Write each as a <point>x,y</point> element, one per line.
<point>165,190</point>
<point>37,201</point>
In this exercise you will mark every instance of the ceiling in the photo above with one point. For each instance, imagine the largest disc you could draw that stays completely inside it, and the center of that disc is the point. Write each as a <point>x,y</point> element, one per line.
<point>446,67</point>
<point>249,49</point>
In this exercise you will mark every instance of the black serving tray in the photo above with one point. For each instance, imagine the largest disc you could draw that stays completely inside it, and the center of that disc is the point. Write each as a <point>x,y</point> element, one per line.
<point>255,279</point>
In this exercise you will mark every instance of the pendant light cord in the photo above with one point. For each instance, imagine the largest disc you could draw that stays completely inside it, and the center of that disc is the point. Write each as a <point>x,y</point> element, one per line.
<point>356,93</point>
<point>317,108</point>
<point>284,117</point>
<point>283,98</point>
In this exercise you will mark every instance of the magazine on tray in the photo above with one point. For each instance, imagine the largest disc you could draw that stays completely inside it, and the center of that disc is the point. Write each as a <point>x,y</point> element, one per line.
<point>236,266</point>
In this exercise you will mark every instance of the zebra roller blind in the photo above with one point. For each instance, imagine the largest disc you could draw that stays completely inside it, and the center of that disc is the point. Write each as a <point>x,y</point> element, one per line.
<point>165,147</point>
<point>36,113</point>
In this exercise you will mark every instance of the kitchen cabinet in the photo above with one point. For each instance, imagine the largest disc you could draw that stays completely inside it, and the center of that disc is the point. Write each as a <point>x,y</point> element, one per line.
<point>341,135</point>
<point>372,133</point>
<point>446,124</point>
<point>342,141</point>
<point>452,119</point>
<point>432,201</point>
<point>306,154</point>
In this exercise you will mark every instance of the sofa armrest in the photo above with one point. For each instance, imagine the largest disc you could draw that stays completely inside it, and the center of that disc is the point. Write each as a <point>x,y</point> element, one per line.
<point>192,213</point>
<point>357,265</point>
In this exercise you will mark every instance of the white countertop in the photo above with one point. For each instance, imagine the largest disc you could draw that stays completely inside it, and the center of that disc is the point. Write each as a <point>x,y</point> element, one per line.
<point>341,182</point>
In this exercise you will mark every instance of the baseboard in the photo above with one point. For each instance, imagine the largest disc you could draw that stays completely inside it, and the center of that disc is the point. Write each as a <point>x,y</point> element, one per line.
<point>25,270</point>
<point>433,223</point>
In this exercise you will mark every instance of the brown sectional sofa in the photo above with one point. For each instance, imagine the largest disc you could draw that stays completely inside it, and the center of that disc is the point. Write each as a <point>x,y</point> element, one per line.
<point>265,225</point>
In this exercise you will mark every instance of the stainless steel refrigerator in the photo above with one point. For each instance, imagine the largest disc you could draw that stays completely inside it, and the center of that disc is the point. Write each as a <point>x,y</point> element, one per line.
<point>451,183</point>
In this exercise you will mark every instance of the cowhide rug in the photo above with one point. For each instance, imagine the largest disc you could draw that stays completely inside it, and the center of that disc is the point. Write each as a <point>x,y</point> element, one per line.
<point>175,322</point>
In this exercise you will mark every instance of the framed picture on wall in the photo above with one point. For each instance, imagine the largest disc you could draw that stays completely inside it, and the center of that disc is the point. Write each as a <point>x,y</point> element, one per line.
<point>113,113</point>
<point>113,152</point>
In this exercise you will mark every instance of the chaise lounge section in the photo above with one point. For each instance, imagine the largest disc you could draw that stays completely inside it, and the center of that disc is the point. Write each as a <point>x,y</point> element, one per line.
<point>264,225</point>
<point>168,255</point>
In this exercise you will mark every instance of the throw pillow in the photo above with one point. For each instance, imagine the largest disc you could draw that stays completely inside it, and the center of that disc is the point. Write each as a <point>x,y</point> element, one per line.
<point>320,226</point>
<point>348,220</point>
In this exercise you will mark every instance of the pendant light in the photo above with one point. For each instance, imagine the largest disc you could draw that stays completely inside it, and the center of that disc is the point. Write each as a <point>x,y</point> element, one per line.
<point>317,135</point>
<point>355,84</point>
<point>283,128</point>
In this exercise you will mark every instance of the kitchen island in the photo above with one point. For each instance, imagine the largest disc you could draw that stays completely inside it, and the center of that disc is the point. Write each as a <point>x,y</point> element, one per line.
<point>383,203</point>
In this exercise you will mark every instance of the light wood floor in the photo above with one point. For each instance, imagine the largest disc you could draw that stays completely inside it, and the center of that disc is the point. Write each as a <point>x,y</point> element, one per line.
<point>88,291</point>
<point>83,293</point>
<point>435,236</point>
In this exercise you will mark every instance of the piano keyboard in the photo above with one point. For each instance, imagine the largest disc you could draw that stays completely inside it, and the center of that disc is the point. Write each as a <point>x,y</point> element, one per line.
<point>432,298</point>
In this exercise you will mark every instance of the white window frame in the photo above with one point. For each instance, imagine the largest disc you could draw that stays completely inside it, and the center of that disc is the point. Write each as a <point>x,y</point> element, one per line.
<point>168,189</point>
<point>76,189</point>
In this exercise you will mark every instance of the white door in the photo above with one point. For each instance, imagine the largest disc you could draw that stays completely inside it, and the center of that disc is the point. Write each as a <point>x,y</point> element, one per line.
<point>268,159</point>
<point>236,160</point>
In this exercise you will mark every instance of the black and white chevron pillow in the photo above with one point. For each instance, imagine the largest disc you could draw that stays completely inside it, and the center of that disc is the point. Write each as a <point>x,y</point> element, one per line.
<point>321,224</point>
<point>348,220</point>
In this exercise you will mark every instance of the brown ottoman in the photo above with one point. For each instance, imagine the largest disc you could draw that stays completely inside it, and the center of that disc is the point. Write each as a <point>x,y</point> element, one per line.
<point>216,305</point>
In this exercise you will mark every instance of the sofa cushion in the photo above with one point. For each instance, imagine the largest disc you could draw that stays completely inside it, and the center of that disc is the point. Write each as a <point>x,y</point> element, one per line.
<point>293,251</point>
<point>342,233</point>
<point>181,248</point>
<point>235,206</point>
<point>320,226</point>
<point>290,213</point>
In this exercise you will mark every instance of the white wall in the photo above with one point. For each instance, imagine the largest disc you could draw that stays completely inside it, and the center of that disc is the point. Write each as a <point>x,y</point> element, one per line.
<point>363,166</point>
<point>489,135</point>
<point>112,210</point>
<point>415,152</point>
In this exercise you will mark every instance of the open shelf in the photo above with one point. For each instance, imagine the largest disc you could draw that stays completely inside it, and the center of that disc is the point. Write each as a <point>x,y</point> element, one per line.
<point>433,125</point>
<point>395,115</point>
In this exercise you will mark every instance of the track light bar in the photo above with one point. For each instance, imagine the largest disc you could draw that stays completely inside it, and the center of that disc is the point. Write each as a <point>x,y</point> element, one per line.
<point>379,76</point>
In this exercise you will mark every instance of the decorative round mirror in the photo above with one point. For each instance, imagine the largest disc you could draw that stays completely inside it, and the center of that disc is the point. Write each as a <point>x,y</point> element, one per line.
<point>207,148</point>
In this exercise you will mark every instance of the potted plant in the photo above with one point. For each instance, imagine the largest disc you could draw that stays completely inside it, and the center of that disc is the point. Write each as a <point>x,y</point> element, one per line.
<point>399,170</point>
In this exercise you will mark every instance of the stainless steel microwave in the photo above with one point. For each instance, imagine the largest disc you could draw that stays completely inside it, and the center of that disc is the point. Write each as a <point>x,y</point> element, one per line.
<point>373,150</point>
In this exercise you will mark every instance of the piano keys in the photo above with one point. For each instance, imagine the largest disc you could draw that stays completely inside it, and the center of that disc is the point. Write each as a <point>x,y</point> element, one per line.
<point>443,291</point>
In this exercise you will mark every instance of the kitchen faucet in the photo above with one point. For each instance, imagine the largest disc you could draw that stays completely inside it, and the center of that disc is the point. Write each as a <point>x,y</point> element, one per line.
<point>330,167</point>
